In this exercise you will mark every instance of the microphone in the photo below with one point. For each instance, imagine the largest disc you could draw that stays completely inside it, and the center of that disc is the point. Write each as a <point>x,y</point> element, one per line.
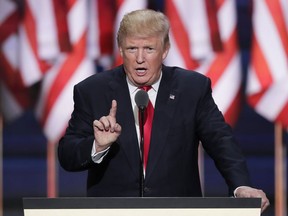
<point>142,100</point>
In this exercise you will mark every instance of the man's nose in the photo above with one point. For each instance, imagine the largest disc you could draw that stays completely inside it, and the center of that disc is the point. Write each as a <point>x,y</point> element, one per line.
<point>140,56</point>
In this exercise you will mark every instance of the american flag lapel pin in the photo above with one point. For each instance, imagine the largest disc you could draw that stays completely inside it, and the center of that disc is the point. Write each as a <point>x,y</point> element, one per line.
<point>172,97</point>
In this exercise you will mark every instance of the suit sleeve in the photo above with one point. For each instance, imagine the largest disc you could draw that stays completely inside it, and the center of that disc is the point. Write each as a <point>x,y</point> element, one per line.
<point>218,141</point>
<point>74,149</point>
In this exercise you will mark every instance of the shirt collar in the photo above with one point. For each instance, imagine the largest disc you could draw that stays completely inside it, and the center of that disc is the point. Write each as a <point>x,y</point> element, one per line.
<point>133,88</point>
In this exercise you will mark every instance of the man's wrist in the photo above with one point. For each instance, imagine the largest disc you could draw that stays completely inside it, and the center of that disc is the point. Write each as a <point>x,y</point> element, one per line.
<point>97,154</point>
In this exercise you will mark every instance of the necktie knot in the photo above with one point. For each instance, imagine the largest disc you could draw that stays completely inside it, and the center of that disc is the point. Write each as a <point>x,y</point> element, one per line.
<point>146,88</point>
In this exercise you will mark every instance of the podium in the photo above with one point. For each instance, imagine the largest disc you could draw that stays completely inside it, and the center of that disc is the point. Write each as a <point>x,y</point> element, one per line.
<point>142,206</point>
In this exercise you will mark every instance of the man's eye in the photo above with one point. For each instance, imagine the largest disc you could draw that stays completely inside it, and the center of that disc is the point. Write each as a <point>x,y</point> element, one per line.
<point>131,49</point>
<point>150,49</point>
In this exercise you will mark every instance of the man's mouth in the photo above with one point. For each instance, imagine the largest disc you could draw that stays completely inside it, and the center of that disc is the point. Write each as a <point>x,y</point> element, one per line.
<point>141,71</point>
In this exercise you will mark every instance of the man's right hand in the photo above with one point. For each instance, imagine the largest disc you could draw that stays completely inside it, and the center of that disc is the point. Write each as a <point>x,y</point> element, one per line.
<point>106,129</point>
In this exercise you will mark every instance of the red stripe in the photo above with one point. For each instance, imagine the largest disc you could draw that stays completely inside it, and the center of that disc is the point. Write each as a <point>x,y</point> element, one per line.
<point>30,29</point>
<point>9,26</point>
<point>232,113</point>
<point>219,3</point>
<point>61,14</point>
<point>180,35</point>
<point>65,73</point>
<point>260,65</point>
<point>107,14</point>
<point>119,4</point>
<point>70,4</point>
<point>215,38</point>
<point>283,116</point>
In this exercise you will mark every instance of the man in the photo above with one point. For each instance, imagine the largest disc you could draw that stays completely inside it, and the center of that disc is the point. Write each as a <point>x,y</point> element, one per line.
<point>106,143</point>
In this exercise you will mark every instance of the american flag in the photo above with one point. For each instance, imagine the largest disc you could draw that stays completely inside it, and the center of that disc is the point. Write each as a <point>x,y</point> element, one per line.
<point>55,103</point>
<point>204,39</point>
<point>267,84</point>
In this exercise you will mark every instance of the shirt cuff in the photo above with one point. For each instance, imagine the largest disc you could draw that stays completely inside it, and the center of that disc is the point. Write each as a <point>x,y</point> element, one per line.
<point>97,157</point>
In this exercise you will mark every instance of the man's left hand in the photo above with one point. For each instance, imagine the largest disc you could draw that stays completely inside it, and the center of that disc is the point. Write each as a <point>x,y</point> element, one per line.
<point>249,192</point>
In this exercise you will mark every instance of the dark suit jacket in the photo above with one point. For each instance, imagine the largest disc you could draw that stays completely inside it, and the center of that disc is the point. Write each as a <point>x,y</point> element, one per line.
<point>184,114</point>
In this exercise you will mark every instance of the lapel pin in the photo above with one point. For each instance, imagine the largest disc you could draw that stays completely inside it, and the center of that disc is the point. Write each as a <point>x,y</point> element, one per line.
<point>172,97</point>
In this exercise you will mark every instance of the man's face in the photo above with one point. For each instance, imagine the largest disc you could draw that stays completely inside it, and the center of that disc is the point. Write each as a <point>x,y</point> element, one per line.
<point>142,59</point>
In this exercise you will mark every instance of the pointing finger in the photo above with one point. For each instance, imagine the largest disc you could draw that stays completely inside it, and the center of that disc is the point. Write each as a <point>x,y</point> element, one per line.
<point>113,109</point>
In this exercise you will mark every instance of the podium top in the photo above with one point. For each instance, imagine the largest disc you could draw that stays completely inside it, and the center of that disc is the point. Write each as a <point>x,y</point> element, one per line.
<point>140,202</point>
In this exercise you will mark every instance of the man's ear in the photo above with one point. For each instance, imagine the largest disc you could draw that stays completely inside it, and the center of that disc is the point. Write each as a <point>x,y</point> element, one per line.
<point>166,51</point>
<point>121,51</point>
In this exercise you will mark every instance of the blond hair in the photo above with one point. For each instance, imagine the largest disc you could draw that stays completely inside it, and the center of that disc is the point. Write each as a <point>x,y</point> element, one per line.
<point>144,23</point>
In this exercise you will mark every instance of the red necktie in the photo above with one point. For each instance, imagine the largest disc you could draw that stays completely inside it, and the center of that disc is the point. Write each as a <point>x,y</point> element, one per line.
<point>148,118</point>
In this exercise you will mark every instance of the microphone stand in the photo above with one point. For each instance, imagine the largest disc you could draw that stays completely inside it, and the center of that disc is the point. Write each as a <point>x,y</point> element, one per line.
<point>141,125</point>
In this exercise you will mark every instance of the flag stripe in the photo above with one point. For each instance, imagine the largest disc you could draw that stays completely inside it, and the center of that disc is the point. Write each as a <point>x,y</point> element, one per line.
<point>9,26</point>
<point>61,10</point>
<point>282,116</point>
<point>211,8</point>
<point>106,16</point>
<point>233,110</point>
<point>260,65</point>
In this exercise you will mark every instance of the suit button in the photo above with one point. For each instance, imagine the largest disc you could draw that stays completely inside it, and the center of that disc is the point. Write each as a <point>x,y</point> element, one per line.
<point>147,190</point>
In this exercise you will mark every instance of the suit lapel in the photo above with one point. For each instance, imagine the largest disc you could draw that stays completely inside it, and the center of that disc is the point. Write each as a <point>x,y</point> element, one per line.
<point>128,140</point>
<point>164,110</point>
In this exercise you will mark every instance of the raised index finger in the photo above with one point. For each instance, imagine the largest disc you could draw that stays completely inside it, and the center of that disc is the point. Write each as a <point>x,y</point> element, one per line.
<point>113,109</point>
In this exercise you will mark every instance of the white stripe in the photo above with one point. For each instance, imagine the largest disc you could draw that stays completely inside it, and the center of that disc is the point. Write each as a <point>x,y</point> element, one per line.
<point>93,30</point>
<point>48,45</point>
<point>77,20</point>
<point>174,57</point>
<point>253,84</point>
<point>6,9</point>
<point>227,87</point>
<point>29,67</point>
<point>274,99</point>
<point>284,7</point>
<point>10,50</point>
<point>227,19</point>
